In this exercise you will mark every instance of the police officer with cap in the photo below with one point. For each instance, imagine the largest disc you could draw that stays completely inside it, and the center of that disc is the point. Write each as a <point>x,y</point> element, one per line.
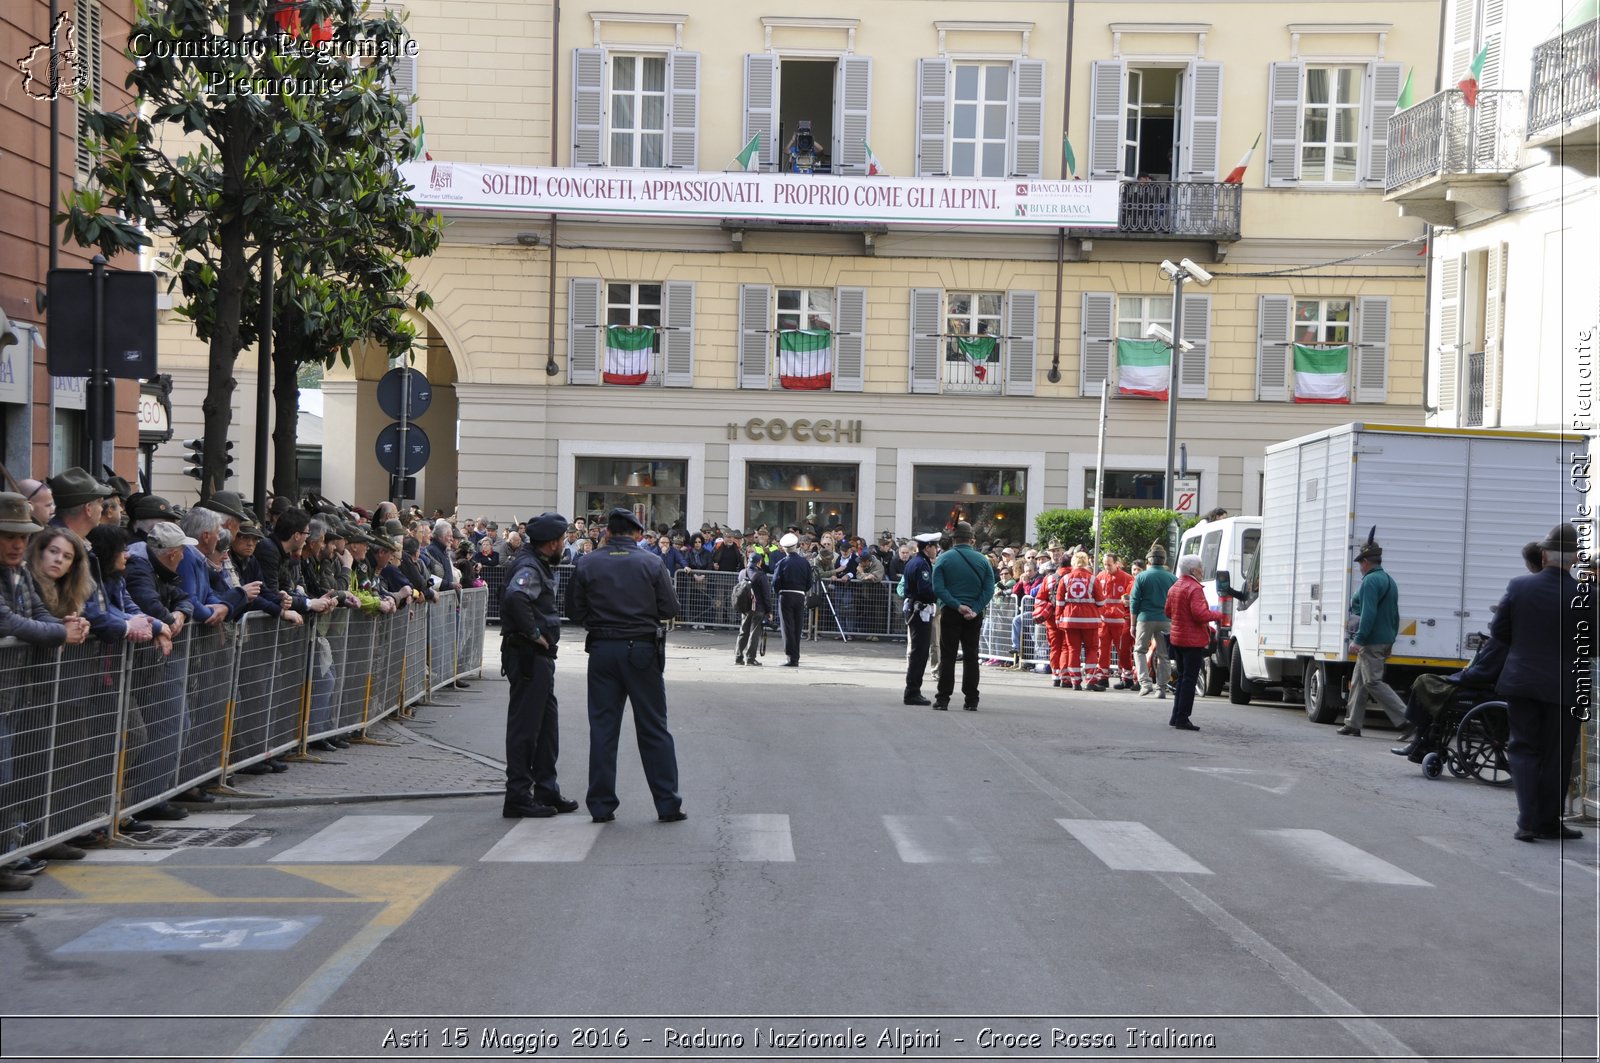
<point>530,619</point>
<point>621,593</point>
<point>791,579</point>
<point>920,605</point>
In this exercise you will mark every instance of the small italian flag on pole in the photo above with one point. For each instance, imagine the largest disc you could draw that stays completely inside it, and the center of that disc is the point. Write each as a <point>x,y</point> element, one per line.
<point>874,167</point>
<point>805,359</point>
<point>1236,175</point>
<point>629,349</point>
<point>1069,161</point>
<point>1143,368</point>
<point>749,159</point>
<point>1469,84</point>
<point>1321,374</point>
<point>978,350</point>
<point>1405,100</point>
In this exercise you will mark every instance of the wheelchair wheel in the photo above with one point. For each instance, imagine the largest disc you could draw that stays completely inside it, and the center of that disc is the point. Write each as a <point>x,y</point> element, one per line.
<point>1433,765</point>
<point>1481,741</point>
<point>1453,762</point>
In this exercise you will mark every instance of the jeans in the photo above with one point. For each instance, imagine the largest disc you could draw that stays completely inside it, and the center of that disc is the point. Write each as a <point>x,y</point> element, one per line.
<point>1368,682</point>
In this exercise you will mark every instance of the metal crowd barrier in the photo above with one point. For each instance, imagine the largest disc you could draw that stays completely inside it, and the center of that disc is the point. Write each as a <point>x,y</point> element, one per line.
<point>91,734</point>
<point>859,609</point>
<point>705,598</point>
<point>494,584</point>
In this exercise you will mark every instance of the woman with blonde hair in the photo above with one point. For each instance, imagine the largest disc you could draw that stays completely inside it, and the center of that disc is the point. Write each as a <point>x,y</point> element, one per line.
<point>59,562</point>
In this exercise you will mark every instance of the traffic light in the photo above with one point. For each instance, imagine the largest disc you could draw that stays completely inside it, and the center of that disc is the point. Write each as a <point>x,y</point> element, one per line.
<point>194,457</point>
<point>227,460</point>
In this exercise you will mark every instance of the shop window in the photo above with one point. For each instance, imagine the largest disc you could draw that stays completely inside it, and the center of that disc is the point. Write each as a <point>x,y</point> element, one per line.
<point>993,500</point>
<point>1126,489</point>
<point>654,490</point>
<point>809,495</point>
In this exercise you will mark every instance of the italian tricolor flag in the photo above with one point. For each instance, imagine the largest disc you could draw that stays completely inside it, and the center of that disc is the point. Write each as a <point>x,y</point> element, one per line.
<point>874,167</point>
<point>628,353</point>
<point>1143,367</point>
<point>805,359</point>
<point>1321,374</point>
<point>978,350</point>
<point>1469,84</point>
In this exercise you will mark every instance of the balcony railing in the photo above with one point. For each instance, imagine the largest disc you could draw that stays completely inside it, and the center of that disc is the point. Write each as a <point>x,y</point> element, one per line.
<point>962,377</point>
<point>1442,136</point>
<point>1207,210</point>
<point>1472,413</point>
<point>1566,79</point>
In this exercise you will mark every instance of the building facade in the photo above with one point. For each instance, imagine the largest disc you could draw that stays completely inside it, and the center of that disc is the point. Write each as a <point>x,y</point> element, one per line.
<point>581,360</point>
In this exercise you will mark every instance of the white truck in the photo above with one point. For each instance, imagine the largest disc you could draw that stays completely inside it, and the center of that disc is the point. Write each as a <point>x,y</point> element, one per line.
<point>1452,509</point>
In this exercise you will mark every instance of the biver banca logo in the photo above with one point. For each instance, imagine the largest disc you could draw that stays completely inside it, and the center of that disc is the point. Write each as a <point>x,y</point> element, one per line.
<point>50,69</point>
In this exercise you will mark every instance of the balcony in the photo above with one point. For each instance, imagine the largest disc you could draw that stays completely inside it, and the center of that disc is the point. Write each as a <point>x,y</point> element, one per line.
<point>1184,210</point>
<point>1564,104</point>
<point>1472,409</point>
<point>962,377</point>
<point>1446,158</point>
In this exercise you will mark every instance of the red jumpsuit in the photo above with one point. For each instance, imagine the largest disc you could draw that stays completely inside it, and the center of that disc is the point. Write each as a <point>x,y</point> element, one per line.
<point>1044,614</point>
<point>1115,630</point>
<point>1078,616</point>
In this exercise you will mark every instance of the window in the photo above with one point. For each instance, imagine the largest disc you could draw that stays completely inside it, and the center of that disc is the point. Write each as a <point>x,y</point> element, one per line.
<point>1354,330</point>
<point>805,308</point>
<point>663,356</point>
<point>978,126</point>
<point>67,440</point>
<point>830,96</point>
<point>654,490</point>
<point>1322,321</point>
<point>1126,488</point>
<point>1135,313</point>
<point>823,496</point>
<point>993,501</point>
<point>633,305</point>
<point>816,340</point>
<point>1330,134</point>
<point>970,366</point>
<point>87,48</point>
<point>638,110</point>
<point>1154,125</point>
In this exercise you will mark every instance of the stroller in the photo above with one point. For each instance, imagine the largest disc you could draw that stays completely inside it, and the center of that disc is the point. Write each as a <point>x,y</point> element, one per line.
<point>1461,725</point>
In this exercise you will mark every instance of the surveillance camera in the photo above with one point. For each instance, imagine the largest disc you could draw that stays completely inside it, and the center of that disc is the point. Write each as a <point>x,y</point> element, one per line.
<point>1185,346</point>
<point>1169,270</point>
<point>1154,331</point>
<point>8,332</point>
<point>1195,272</point>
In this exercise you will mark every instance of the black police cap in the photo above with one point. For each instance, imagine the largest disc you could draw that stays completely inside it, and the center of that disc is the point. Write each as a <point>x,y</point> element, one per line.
<point>547,527</point>
<point>624,515</point>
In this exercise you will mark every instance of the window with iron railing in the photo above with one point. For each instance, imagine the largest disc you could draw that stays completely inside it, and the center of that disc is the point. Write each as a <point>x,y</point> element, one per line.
<point>1472,409</point>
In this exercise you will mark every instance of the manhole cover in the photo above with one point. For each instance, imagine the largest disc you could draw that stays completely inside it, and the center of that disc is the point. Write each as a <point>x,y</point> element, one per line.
<point>209,837</point>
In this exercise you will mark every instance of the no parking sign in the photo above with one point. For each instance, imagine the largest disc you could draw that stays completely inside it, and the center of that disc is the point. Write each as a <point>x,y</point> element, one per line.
<point>1186,495</point>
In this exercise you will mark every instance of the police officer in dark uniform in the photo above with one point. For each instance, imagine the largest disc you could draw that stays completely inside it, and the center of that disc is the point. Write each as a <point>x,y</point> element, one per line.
<point>920,606</point>
<point>530,625</point>
<point>791,579</point>
<point>621,593</point>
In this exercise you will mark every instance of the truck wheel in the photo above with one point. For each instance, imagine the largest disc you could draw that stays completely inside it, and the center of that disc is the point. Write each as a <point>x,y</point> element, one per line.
<point>1322,701</point>
<point>1212,677</point>
<point>1239,691</point>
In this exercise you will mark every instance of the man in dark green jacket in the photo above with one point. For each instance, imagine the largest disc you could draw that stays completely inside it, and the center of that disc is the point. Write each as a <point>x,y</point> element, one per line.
<point>1377,605</point>
<point>963,581</point>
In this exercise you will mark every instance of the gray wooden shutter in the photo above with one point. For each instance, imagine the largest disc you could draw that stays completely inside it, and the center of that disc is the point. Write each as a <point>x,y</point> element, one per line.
<point>677,342</point>
<point>1200,157</point>
<point>761,105</point>
<point>927,345</point>
<point>1027,118</point>
<point>1108,99</point>
<point>1383,92</point>
<point>849,338</point>
<point>588,106</point>
<point>1022,343</point>
<point>1273,353</point>
<point>585,337</point>
<point>1194,366</point>
<point>1494,316</point>
<point>1461,40</point>
<point>755,335</point>
<point>1488,123</point>
<point>403,83</point>
<point>683,110</point>
<point>852,95</point>
<point>933,108</point>
<point>1285,85</point>
<point>1370,372</point>
<point>1096,337</point>
<point>89,46</point>
<point>1449,319</point>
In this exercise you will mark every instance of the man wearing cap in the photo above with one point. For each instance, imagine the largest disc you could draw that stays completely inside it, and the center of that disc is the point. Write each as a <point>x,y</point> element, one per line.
<point>791,579</point>
<point>621,593</point>
<point>242,552</point>
<point>1148,604</point>
<point>115,507</point>
<point>763,610</point>
<point>1545,621</point>
<point>77,496</point>
<point>365,584</point>
<point>530,626</point>
<point>152,575</point>
<point>1375,609</point>
<point>214,601</point>
<point>963,581</point>
<point>920,605</point>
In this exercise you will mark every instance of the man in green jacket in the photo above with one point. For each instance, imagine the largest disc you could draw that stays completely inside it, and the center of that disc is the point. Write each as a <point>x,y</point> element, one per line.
<point>1147,603</point>
<point>963,581</point>
<point>1375,610</point>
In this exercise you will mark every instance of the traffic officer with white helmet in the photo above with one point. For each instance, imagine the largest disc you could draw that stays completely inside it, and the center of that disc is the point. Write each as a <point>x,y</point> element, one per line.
<point>920,605</point>
<point>792,579</point>
<point>621,593</point>
<point>530,619</point>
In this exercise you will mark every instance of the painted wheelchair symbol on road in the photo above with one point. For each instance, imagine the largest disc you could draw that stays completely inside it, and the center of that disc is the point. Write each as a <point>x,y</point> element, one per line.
<point>192,935</point>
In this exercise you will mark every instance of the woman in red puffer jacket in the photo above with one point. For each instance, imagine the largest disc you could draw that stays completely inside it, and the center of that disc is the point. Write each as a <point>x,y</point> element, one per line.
<point>1191,618</point>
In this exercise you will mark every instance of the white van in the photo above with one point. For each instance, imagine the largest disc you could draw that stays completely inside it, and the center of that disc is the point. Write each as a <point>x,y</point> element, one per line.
<point>1226,545</point>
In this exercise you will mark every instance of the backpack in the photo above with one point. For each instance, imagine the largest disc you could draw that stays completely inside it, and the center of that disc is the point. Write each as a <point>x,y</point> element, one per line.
<point>744,597</point>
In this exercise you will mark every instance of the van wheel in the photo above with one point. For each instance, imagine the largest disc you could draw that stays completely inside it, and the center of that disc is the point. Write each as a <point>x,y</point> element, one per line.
<point>1212,677</point>
<point>1322,701</point>
<point>1239,691</point>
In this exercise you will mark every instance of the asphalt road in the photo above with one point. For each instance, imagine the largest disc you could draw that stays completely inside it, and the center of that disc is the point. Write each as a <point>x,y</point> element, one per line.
<point>1036,880</point>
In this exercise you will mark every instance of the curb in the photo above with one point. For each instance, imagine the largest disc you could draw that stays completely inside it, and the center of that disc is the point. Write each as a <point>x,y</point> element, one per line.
<point>223,804</point>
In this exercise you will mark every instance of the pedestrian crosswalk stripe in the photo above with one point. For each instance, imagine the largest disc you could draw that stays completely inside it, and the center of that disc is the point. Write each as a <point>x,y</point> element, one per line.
<point>938,840</point>
<point>562,840</point>
<point>1339,859</point>
<point>352,839</point>
<point>1128,846</point>
<point>760,837</point>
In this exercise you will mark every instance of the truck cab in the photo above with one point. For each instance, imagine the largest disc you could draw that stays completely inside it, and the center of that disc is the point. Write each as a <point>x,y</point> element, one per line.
<point>1229,545</point>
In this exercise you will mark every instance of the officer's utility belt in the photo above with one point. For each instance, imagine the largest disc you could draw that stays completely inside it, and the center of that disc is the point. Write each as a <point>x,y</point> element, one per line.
<point>790,590</point>
<point>606,635</point>
<point>522,641</point>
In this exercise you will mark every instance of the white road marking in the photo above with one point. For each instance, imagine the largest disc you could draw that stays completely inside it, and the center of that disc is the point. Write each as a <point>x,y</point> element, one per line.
<point>212,820</point>
<point>938,840</point>
<point>124,856</point>
<point>564,839</point>
<point>352,840</point>
<point>1341,860</point>
<point>1126,846</point>
<point>759,837</point>
<point>1285,782</point>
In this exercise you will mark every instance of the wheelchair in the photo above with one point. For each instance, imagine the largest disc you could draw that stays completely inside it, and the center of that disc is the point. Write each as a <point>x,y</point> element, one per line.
<point>1468,734</point>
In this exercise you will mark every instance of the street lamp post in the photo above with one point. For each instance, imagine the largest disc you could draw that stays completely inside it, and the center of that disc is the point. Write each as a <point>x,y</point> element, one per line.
<point>1176,344</point>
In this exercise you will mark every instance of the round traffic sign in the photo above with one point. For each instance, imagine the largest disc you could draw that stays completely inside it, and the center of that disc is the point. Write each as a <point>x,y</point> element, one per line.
<point>392,385</point>
<point>417,449</point>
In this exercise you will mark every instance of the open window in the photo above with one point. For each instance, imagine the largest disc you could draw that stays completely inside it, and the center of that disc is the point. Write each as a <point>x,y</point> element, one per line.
<point>1156,123</point>
<point>811,111</point>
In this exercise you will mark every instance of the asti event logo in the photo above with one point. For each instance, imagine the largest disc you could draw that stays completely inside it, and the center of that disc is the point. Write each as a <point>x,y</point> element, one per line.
<point>50,68</point>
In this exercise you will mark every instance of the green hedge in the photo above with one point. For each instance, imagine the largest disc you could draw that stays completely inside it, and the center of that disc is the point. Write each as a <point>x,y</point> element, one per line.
<point>1128,532</point>
<point>1068,525</point>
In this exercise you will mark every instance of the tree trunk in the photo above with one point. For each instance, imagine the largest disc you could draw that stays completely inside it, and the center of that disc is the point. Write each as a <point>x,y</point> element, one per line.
<point>286,399</point>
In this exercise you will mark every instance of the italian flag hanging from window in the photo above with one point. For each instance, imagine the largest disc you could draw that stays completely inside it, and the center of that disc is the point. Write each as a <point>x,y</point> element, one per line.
<point>805,359</point>
<point>628,353</point>
<point>1321,374</point>
<point>978,350</point>
<point>1143,367</point>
